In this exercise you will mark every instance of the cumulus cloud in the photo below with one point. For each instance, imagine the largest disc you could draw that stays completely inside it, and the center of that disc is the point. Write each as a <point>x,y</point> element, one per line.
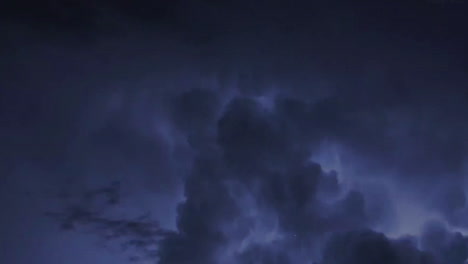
<point>254,195</point>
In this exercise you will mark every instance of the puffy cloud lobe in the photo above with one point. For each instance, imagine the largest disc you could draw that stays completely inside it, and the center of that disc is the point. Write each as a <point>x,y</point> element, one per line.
<point>436,245</point>
<point>366,246</point>
<point>359,247</point>
<point>207,206</point>
<point>444,245</point>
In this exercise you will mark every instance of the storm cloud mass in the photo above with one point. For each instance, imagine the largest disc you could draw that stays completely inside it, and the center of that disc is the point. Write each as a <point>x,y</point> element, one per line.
<point>234,132</point>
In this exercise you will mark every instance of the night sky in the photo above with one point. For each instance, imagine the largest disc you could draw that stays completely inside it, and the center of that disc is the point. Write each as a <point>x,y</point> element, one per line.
<point>233,132</point>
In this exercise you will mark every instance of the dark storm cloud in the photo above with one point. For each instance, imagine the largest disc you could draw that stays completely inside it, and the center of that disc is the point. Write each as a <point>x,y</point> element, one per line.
<point>131,102</point>
<point>254,170</point>
<point>253,155</point>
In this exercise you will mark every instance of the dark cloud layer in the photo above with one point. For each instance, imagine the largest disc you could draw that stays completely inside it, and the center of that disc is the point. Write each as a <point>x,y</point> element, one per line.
<point>236,132</point>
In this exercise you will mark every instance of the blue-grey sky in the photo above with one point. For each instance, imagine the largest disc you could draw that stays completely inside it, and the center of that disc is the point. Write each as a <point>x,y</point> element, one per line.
<point>250,132</point>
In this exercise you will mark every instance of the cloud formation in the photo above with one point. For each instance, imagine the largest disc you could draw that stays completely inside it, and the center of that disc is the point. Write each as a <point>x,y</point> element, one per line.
<point>255,195</point>
<point>267,139</point>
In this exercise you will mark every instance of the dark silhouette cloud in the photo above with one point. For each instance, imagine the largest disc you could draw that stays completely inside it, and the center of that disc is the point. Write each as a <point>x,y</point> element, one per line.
<point>365,246</point>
